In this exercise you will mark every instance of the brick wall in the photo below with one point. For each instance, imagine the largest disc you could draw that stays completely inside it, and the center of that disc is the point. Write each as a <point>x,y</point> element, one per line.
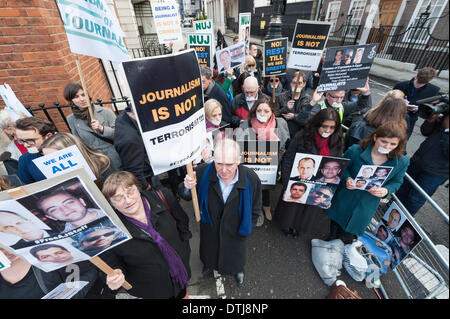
<point>35,57</point>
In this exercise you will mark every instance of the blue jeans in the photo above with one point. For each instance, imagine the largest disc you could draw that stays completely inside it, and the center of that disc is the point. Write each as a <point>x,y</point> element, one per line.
<point>410,197</point>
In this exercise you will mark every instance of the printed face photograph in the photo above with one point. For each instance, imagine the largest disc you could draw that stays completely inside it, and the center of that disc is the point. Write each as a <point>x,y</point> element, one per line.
<point>18,226</point>
<point>53,255</point>
<point>330,170</point>
<point>296,192</point>
<point>361,183</point>
<point>320,196</point>
<point>65,206</point>
<point>358,55</point>
<point>305,166</point>
<point>382,233</point>
<point>381,172</point>
<point>348,56</point>
<point>338,57</point>
<point>393,218</point>
<point>225,59</point>
<point>403,242</point>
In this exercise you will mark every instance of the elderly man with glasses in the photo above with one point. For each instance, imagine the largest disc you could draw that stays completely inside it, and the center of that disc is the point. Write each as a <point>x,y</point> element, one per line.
<point>32,132</point>
<point>334,99</point>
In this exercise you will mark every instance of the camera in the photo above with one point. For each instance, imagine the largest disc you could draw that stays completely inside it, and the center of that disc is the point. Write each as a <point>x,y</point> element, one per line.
<point>427,109</point>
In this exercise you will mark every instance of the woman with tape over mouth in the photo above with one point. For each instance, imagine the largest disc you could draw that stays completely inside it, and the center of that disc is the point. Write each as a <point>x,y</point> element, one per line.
<point>263,125</point>
<point>98,133</point>
<point>322,135</point>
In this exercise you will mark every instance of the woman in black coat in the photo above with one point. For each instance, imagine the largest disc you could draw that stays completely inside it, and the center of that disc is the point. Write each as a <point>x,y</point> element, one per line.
<point>156,260</point>
<point>323,129</point>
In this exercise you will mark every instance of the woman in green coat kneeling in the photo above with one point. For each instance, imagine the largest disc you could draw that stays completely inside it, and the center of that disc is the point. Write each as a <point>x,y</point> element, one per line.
<point>352,209</point>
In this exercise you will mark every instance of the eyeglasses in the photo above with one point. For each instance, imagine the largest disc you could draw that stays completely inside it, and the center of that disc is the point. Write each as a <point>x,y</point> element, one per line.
<point>252,65</point>
<point>320,194</point>
<point>331,127</point>
<point>29,141</point>
<point>272,80</point>
<point>336,97</point>
<point>118,199</point>
<point>91,239</point>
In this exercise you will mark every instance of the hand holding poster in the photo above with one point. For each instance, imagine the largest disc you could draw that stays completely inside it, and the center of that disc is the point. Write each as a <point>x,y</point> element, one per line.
<point>314,179</point>
<point>62,161</point>
<point>92,29</point>
<point>59,221</point>
<point>167,21</point>
<point>310,38</point>
<point>230,57</point>
<point>275,52</point>
<point>346,68</point>
<point>203,44</point>
<point>167,99</point>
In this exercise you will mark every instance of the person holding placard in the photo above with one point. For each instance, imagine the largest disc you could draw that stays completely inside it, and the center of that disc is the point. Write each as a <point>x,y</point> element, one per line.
<point>32,132</point>
<point>98,162</point>
<point>263,125</point>
<point>98,133</point>
<point>289,103</point>
<point>392,107</point>
<point>274,81</point>
<point>322,136</point>
<point>24,281</point>
<point>335,100</point>
<point>229,196</point>
<point>156,260</point>
<point>352,209</point>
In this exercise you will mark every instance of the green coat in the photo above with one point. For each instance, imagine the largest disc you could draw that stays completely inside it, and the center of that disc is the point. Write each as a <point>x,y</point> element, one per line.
<point>353,209</point>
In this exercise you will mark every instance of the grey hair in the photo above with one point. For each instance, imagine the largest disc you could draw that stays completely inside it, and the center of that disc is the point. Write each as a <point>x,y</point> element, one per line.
<point>227,144</point>
<point>206,72</point>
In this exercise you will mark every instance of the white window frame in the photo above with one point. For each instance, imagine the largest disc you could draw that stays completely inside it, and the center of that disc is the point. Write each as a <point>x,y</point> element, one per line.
<point>351,34</point>
<point>416,15</point>
<point>327,16</point>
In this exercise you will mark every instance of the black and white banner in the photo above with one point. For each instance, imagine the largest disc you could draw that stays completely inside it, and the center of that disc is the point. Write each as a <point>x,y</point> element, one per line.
<point>167,99</point>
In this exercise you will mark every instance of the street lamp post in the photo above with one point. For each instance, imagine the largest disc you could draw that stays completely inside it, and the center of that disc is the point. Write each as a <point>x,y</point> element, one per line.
<point>274,30</point>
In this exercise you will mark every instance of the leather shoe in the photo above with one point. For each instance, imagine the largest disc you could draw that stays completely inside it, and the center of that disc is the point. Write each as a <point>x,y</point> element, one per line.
<point>239,279</point>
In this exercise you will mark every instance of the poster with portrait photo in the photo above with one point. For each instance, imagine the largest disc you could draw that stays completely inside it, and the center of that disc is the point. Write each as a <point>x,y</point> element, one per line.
<point>346,67</point>
<point>321,174</point>
<point>394,217</point>
<point>382,232</point>
<point>53,255</point>
<point>56,211</point>
<point>19,227</point>
<point>371,176</point>
<point>100,236</point>
<point>232,56</point>
<point>297,192</point>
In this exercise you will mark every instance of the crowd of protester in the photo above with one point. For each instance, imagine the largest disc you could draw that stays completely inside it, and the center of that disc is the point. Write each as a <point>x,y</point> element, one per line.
<point>232,201</point>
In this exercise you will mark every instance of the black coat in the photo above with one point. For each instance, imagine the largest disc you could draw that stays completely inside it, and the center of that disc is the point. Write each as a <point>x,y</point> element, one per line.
<point>300,217</point>
<point>140,259</point>
<point>130,146</point>
<point>221,247</point>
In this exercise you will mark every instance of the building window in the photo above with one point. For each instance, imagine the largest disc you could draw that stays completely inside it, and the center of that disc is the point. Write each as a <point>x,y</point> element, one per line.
<point>356,10</point>
<point>144,17</point>
<point>333,14</point>
<point>420,35</point>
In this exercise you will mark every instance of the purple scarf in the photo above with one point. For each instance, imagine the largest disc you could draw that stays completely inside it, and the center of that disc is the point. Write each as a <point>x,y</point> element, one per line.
<point>176,267</point>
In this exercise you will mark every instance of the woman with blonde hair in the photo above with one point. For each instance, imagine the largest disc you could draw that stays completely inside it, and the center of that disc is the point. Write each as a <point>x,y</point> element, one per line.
<point>97,161</point>
<point>213,114</point>
<point>391,108</point>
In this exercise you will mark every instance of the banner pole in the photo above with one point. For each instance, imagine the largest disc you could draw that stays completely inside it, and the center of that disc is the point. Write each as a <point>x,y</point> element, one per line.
<point>97,261</point>
<point>273,90</point>
<point>91,112</point>
<point>190,172</point>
